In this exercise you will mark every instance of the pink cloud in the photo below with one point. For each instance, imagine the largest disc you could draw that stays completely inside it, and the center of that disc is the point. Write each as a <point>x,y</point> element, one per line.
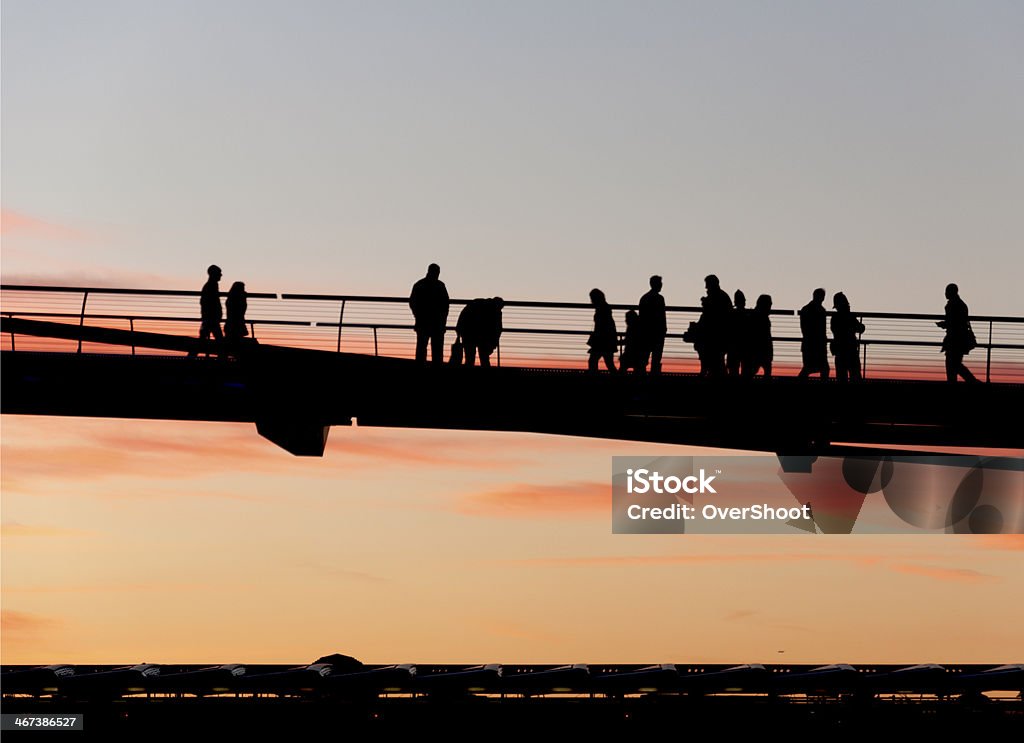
<point>532,500</point>
<point>951,575</point>
<point>17,223</point>
<point>92,450</point>
<point>1014,542</point>
<point>21,622</point>
<point>14,529</point>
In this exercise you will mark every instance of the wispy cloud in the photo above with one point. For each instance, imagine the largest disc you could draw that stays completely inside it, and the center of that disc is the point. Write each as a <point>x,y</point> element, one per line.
<point>333,572</point>
<point>14,529</point>
<point>949,575</point>
<point>1012,542</point>
<point>21,622</point>
<point>18,223</point>
<point>94,450</point>
<point>654,560</point>
<point>739,615</point>
<point>100,278</point>
<point>158,586</point>
<point>891,564</point>
<point>525,500</point>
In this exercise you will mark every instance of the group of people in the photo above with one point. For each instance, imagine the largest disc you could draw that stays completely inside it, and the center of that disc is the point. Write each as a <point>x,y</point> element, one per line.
<point>730,340</point>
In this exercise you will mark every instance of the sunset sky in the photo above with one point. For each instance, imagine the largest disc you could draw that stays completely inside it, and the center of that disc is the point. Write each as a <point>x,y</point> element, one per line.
<point>534,150</point>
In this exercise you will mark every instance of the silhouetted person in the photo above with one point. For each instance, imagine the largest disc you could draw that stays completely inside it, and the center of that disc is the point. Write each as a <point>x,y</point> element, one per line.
<point>653,326</point>
<point>210,311</point>
<point>429,303</point>
<point>761,348</point>
<point>846,329</point>
<point>814,346</point>
<point>234,326</point>
<point>633,349</point>
<point>714,328</point>
<point>604,341</point>
<point>479,327</point>
<point>959,338</point>
<point>738,341</point>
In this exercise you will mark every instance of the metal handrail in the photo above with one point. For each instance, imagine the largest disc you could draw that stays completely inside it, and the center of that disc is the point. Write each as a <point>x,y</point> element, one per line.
<point>508,302</point>
<point>90,293</point>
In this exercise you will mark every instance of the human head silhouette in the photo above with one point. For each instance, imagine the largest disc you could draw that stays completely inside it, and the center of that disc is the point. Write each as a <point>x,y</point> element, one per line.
<point>764,302</point>
<point>739,299</point>
<point>840,302</point>
<point>631,317</point>
<point>597,297</point>
<point>819,295</point>
<point>711,282</point>
<point>499,302</point>
<point>214,272</point>
<point>656,283</point>
<point>238,287</point>
<point>433,271</point>
<point>952,290</point>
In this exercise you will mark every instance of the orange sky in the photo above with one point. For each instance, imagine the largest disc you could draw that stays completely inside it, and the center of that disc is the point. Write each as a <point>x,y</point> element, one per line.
<point>127,541</point>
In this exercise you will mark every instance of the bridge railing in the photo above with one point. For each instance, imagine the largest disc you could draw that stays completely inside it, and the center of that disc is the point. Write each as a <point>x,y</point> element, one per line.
<point>536,334</point>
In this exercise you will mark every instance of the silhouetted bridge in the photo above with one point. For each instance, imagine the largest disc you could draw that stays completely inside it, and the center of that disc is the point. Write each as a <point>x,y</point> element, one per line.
<point>338,696</point>
<point>325,360</point>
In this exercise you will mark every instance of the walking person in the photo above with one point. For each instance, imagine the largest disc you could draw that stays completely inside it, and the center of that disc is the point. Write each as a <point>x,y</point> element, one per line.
<point>846,330</point>
<point>960,339</point>
<point>429,304</point>
<point>814,345</point>
<point>604,341</point>
<point>210,311</point>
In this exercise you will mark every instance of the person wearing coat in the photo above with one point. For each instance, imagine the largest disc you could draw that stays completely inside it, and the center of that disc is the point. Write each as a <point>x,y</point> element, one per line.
<point>604,341</point>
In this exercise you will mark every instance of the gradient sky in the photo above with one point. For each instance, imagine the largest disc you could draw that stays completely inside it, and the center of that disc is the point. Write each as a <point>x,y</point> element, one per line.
<point>534,149</point>
<point>126,541</point>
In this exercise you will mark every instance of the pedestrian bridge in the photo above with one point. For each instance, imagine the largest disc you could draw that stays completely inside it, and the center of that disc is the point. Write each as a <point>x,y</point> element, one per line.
<point>324,360</point>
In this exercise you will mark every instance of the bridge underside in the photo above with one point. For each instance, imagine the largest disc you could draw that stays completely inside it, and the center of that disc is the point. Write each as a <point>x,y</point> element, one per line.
<point>293,396</point>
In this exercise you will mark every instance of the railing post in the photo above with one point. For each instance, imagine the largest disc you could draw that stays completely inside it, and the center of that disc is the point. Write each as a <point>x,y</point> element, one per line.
<point>252,329</point>
<point>81,319</point>
<point>9,316</point>
<point>374,340</point>
<point>988,356</point>
<point>341,321</point>
<point>131,328</point>
<point>498,349</point>
<point>860,338</point>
